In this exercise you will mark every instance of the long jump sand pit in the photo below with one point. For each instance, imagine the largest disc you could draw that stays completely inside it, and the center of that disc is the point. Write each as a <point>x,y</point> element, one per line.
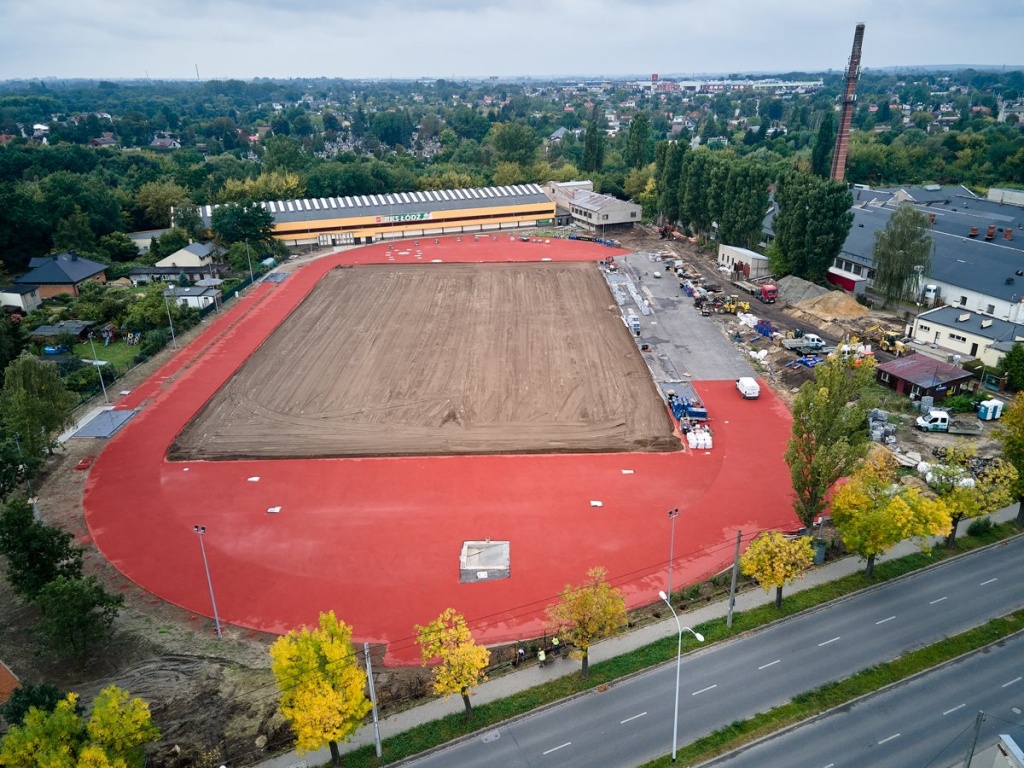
<point>432,359</point>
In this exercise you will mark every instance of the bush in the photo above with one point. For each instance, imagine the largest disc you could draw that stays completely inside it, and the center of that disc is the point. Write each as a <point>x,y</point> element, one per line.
<point>963,403</point>
<point>980,527</point>
<point>153,342</point>
<point>85,379</point>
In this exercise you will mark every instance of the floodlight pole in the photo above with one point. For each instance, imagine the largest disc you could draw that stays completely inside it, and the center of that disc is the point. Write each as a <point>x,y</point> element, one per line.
<point>99,371</point>
<point>201,530</point>
<point>672,515</point>
<point>170,323</point>
<point>248,258</point>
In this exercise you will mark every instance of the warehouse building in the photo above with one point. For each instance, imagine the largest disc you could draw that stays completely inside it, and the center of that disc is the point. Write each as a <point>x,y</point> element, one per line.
<point>361,219</point>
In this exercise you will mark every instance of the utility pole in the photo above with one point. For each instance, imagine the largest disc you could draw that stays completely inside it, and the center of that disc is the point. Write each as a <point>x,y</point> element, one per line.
<point>974,739</point>
<point>373,698</point>
<point>672,515</point>
<point>735,572</point>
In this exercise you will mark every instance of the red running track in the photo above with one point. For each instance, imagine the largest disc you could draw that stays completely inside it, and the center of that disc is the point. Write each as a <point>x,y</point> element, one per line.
<point>378,540</point>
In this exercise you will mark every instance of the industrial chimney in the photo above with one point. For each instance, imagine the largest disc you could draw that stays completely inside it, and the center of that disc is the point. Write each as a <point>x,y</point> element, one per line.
<point>849,99</point>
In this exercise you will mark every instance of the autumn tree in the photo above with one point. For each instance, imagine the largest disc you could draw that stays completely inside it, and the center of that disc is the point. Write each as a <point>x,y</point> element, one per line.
<point>969,487</point>
<point>1010,434</point>
<point>588,613</point>
<point>873,512</point>
<point>901,254</point>
<point>323,688</point>
<point>775,561</point>
<point>35,404</point>
<point>828,434</point>
<point>121,726</point>
<point>462,661</point>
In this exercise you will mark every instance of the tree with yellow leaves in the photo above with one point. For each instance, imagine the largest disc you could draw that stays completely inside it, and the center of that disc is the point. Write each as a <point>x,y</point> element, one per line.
<point>971,487</point>
<point>323,688</point>
<point>873,513</point>
<point>1010,434</point>
<point>118,729</point>
<point>775,561</point>
<point>588,613</point>
<point>462,661</point>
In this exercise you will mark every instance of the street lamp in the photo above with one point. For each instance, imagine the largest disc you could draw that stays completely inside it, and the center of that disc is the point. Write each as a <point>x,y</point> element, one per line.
<point>672,515</point>
<point>248,258</point>
<point>679,664</point>
<point>170,323</point>
<point>99,370</point>
<point>201,530</point>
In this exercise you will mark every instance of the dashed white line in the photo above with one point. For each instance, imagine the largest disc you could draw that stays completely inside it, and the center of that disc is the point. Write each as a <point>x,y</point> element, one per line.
<point>1007,685</point>
<point>704,690</point>
<point>770,664</point>
<point>829,641</point>
<point>555,749</point>
<point>889,738</point>
<point>831,765</point>
<point>954,709</point>
<point>988,582</point>
<point>634,717</point>
<point>884,620</point>
<point>933,602</point>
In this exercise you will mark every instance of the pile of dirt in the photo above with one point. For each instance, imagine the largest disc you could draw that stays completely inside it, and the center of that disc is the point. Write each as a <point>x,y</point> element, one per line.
<point>793,290</point>
<point>833,306</point>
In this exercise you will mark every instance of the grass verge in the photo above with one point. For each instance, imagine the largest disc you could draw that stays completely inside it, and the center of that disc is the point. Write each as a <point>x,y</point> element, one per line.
<point>842,692</point>
<point>454,726</point>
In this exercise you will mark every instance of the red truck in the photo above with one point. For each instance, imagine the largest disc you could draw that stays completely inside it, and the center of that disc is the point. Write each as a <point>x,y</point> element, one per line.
<point>767,293</point>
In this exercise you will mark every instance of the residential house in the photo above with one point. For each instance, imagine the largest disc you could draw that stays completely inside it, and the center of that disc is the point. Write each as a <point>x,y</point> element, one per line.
<point>968,334</point>
<point>145,237</point>
<point>918,375</point>
<point>144,275</point>
<point>193,255</point>
<point>61,274</point>
<point>77,328</point>
<point>165,143</point>
<point>196,296</point>
<point>20,298</point>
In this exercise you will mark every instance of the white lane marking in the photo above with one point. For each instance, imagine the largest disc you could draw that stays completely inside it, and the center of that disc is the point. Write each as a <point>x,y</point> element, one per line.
<point>634,717</point>
<point>988,582</point>
<point>555,749</point>
<point>627,471</point>
<point>884,620</point>
<point>933,602</point>
<point>889,738</point>
<point>954,709</point>
<point>1007,685</point>
<point>770,664</point>
<point>704,690</point>
<point>831,765</point>
<point>829,641</point>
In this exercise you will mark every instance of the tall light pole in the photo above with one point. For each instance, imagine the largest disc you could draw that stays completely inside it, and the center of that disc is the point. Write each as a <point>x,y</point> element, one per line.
<point>99,371</point>
<point>248,258</point>
<point>679,664</point>
<point>201,530</point>
<point>672,515</point>
<point>170,323</point>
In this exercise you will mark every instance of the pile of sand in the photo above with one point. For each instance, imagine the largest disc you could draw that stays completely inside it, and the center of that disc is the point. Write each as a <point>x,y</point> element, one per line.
<point>832,306</point>
<point>793,290</point>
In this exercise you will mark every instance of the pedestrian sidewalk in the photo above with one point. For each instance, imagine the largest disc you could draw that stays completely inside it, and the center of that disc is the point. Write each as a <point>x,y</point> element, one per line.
<point>533,675</point>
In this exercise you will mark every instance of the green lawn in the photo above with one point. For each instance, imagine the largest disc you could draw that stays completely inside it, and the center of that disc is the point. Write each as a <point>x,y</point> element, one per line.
<point>117,354</point>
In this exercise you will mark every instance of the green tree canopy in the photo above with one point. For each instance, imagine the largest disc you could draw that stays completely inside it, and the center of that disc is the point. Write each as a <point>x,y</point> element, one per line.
<point>637,141</point>
<point>34,404</point>
<point>238,222</point>
<point>77,613</point>
<point>36,553</point>
<point>901,254</point>
<point>514,142</point>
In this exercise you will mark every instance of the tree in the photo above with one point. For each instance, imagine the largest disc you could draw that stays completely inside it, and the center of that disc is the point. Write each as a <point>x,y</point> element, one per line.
<point>901,254</point>
<point>775,561</point>
<point>186,218</point>
<point>76,614</point>
<point>121,726</point>
<point>1010,434</point>
<point>828,435</point>
<point>43,697</point>
<point>73,233</point>
<point>149,311</point>
<point>514,142</point>
<point>588,613</point>
<point>35,404</point>
<point>169,242</point>
<point>462,661</point>
<point>969,487</point>
<point>45,738</point>
<point>593,148</point>
<point>36,553</point>
<point>322,685</point>
<point>812,223</point>
<point>873,513</point>
<point>1012,365</point>
<point>155,199</point>
<point>821,155</point>
<point>636,142</point>
<point>238,222</point>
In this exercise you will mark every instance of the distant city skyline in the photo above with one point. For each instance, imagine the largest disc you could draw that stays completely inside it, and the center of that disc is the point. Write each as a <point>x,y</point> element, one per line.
<point>118,39</point>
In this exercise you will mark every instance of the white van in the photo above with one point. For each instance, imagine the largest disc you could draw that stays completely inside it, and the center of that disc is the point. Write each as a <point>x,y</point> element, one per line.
<point>748,387</point>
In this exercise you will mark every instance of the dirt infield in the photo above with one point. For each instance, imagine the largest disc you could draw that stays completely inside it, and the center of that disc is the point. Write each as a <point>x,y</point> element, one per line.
<point>429,359</point>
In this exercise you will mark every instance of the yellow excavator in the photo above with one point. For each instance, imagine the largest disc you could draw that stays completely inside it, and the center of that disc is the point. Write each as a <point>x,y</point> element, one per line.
<point>731,305</point>
<point>888,341</point>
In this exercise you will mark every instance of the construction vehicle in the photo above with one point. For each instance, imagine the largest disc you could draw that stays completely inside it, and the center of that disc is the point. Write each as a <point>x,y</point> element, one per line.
<point>888,341</point>
<point>805,343</point>
<point>748,387</point>
<point>937,420</point>
<point>766,293</point>
<point>666,231</point>
<point>731,305</point>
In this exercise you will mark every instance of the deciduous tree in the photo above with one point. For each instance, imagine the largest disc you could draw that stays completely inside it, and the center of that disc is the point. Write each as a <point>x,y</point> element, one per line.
<point>1010,434</point>
<point>237,222</point>
<point>901,254</point>
<point>34,404</point>
<point>969,487</point>
<point>514,142</point>
<point>462,661</point>
<point>637,141</point>
<point>593,148</point>
<point>36,553</point>
<point>828,434</point>
<point>821,154</point>
<point>588,613</point>
<point>43,697</point>
<point>1012,365</point>
<point>121,726</point>
<point>874,513</point>
<point>322,685</point>
<point>76,613</point>
<point>775,561</point>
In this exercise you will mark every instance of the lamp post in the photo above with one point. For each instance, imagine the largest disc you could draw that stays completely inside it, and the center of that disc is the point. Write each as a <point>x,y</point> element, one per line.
<point>170,323</point>
<point>679,664</point>
<point>99,370</point>
<point>672,515</point>
<point>201,531</point>
<point>248,259</point>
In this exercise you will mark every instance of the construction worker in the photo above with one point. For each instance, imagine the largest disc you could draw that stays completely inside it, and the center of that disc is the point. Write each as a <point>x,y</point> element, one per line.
<point>554,646</point>
<point>541,656</point>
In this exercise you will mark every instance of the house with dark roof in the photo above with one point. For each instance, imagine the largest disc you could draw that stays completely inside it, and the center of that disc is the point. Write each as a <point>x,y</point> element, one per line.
<point>969,334</point>
<point>20,298</point>
<point>192,255</point>
<point>143,275</point>
<point>918,376</point>
<point>61,273</point>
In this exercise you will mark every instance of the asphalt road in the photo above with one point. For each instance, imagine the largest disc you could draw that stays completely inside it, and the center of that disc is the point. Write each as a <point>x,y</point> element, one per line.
<point>630,722</point>
<point>928,721</point>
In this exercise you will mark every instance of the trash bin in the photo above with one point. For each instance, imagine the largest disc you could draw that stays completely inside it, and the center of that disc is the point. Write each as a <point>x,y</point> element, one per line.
<point>819,551</point>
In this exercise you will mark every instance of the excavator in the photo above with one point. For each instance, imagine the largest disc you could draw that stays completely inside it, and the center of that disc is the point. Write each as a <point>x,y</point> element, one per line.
<point>731,305</point>
<point>888,341</point>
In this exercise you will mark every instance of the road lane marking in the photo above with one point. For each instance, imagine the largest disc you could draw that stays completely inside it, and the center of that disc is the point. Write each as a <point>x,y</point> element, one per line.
<point>1007,685</point>
<point>829,641</point>
<point>770,664</point>
<point>634,717</point>
<point>954,709</point>
<point>884,620</point>
<point>831,765</point>
<point>889,738</point>
<point>988,582</point>
<point>933,602</point>
<point>560,746</point>
<point>704,690</point>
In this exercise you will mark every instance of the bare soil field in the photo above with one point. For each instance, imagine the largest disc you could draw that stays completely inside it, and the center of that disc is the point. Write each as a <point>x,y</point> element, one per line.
<point>440,359</point>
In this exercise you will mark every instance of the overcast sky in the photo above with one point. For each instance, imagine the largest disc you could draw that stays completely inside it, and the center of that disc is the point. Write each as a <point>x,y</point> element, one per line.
<point>479,38</point>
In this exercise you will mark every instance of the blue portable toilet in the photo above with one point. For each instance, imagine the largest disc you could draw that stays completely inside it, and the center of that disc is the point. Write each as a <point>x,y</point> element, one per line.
<point>990,410</point>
